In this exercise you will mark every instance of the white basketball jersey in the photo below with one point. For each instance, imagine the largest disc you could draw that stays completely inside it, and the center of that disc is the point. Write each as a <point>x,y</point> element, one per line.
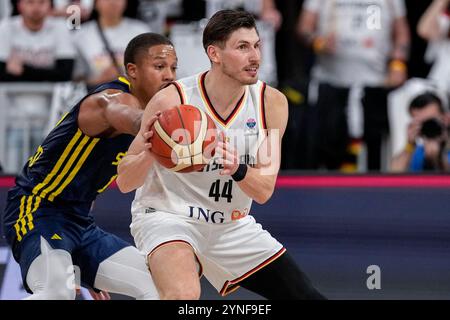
<point>207,196</point>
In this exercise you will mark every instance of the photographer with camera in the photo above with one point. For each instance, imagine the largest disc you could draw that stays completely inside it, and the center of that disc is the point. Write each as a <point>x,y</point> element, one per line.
<point>426,149</point>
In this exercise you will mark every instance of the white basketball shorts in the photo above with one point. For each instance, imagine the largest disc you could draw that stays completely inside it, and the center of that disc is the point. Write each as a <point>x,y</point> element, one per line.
<point>228,253</point>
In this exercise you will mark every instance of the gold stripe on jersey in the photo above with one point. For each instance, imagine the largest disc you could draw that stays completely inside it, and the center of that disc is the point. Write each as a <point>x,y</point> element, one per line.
<point>77,167</point>
<point>26,213</point>
<point>16,225</point>
<point>107,185</point>
<point>58,165</point>
<point>61,174</point>
<point>62,119</point>
<point>37,202</point>
<point>66,168</point>
<point>125,80</point>
<point>24,219</point>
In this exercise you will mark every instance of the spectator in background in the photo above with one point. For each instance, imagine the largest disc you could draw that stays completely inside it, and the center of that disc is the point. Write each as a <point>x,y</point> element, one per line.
<point>427,145</point>
<point>35,47</point>
<point>251,6</point>
<point>101,42</point>
<point>292,58</point>
<point>194,10</point>
<point>156,12</point>
<point>292,64</point>
<point>5,9</point>
<point>354,47</point>
<point>358,44</point>
<point>270,13</point>
<point>60,8</point>
<point>434,26</point>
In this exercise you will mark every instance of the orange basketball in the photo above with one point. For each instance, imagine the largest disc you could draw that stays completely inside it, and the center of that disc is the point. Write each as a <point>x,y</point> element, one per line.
<point>184,138</point>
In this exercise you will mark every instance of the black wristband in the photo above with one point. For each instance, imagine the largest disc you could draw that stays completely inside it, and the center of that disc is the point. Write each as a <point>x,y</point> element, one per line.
<point>240,173</point>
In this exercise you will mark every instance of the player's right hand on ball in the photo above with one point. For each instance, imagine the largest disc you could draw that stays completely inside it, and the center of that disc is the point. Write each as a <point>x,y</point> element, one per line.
<point>147,134</point>
<point>226,156</point>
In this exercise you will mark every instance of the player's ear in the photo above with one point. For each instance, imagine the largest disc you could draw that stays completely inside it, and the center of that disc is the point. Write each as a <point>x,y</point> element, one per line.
<point>131,70</point>
<point>213,53</point>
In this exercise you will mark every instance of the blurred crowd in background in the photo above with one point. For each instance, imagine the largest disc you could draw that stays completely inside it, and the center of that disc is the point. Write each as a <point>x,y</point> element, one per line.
<point>368,81</point>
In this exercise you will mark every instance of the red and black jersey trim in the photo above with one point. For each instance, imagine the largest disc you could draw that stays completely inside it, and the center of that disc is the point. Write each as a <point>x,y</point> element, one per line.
<point>180,93</point>
<point>263,106</point>
<point>233,285</point>
<point>211,107</point>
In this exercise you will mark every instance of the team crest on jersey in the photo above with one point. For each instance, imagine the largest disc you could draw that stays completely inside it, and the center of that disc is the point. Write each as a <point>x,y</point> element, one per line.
<point>251,123</point>
<point>250,127</point>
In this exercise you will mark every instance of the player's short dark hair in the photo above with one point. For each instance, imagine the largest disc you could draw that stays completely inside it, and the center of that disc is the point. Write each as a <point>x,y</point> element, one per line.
<point>424,99</point>
<point>223,23</point>
<point>141,43</point>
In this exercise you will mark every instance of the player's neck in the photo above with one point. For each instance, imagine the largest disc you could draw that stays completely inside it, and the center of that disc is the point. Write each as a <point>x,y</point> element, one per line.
<point>223,91</point>
<point>109,22</point>
<point>140,95</point>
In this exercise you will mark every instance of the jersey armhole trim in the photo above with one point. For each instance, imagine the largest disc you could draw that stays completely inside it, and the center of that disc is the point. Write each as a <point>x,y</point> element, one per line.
<point>180,92</point>
<point>263,106</point>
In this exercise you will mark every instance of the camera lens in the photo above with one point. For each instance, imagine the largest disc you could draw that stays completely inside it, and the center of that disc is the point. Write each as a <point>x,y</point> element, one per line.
<point>431,128</point>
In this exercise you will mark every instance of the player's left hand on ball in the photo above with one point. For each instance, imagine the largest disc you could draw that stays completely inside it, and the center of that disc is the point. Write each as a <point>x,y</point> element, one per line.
<point>227,156</point>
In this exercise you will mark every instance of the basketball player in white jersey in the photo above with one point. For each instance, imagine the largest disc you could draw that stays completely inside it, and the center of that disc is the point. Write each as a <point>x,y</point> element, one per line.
<point>194,223</point>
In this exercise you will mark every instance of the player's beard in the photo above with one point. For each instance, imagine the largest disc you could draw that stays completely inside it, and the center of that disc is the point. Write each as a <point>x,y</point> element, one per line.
<point>235,76</point>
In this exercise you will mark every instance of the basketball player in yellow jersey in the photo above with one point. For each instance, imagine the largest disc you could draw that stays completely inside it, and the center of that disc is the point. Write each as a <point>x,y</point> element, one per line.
<point>189,223</point>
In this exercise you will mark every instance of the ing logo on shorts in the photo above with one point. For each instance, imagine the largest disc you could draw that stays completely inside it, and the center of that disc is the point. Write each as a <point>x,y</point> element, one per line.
<point>207,215</point>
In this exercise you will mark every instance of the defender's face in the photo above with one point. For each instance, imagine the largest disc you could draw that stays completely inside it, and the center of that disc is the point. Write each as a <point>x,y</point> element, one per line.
<point>157,69</point>
<point>34,10</point>
<point>241,57</point>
